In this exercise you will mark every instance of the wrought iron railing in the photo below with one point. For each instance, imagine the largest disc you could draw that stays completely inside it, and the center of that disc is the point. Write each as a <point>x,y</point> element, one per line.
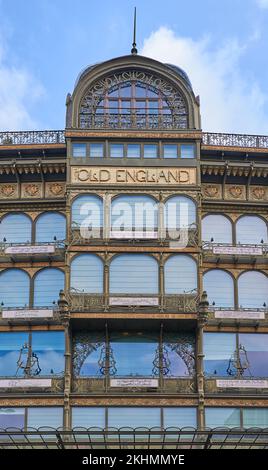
<point>133,121</point>
<point>235,140</point>
<point>32,137</point>
<point>178,303</point>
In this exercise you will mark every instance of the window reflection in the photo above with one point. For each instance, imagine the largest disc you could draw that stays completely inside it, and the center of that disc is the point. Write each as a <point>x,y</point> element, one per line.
<point>50,226</point>
<point>14,288</point>
<point>15,228</point>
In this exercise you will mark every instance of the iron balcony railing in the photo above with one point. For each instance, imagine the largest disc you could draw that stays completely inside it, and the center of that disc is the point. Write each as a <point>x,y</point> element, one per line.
<point>32,137</point>
<point>123,121</point>
<point>85,302</point>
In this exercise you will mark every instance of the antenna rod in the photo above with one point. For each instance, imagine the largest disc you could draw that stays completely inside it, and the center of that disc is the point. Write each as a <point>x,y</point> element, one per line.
<point>134,49</point>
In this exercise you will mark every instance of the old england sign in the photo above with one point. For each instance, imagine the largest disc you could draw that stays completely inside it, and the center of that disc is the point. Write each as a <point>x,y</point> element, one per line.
<point>130,175</point>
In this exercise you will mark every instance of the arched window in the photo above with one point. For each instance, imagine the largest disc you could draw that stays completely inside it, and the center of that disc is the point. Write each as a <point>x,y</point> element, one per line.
<point>251,229</point>
<point>134,213</point>
<point>133,99</point>
<point>14,288</point>
<point>47,285</point>
<point>134,274</point>
<point>87,274</point>
<point>216,228</point>
<point>252,289</point>
<point>16,228</point>
<point>179,212</point>
<point>87,211</point>
<point>180,274</point>
<point>220,288</point>
<point>50,226</point>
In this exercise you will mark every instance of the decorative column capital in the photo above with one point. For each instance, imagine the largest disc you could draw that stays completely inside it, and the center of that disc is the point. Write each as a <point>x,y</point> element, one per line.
<point>64,309</point>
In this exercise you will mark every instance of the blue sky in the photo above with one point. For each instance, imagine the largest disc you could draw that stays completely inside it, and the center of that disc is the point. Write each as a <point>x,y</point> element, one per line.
<point>44,44</point>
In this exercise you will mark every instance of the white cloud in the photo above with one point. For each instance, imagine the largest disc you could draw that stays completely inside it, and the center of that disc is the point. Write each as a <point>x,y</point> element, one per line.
<point>262,3</point>
<point>229,101</point>
<point>19,91</point>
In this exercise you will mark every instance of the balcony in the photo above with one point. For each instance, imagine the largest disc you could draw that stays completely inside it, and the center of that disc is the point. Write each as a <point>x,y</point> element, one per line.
<point>32,251</point>
<point>129,385</point>
<point>241,253</point>
<point>35,384</point>
<point>137,237</point>
<point>88,303</point>
<point>32,137</point>
<point>237,385</point>
<point>235,140</point>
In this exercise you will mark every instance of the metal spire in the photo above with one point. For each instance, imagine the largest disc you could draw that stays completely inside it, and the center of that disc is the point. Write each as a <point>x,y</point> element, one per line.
<point>134,49</point>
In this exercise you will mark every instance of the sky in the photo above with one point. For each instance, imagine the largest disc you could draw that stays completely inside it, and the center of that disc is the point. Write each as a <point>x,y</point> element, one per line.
<point>223,47</point>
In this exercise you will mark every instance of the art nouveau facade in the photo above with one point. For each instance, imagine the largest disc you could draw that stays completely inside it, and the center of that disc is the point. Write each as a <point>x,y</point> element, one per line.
<point>133,257</point>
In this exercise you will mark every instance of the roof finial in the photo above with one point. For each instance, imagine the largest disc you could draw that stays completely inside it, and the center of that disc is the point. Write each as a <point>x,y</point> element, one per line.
<point>134,49</point>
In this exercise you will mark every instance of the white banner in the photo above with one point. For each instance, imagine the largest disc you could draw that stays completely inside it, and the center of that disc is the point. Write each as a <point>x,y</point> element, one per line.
<point>136,301</point>
<point>34,249</point>
<point>132,234</point>
<point>153,383</point>
<point>251,383</point>
<point>27,313</point>
<point>239,315</point>
<point>18,383</point>
<point>237,250</point>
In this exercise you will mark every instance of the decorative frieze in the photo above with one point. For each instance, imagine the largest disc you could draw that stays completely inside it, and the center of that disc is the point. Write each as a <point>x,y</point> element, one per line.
<point>212,191</point>
<point>9,191</point>
<point>235,192</point>
<point>55,190</point>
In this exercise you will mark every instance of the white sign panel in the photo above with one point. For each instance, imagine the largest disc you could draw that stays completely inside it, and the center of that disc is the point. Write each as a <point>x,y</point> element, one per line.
<point>132,234</point>
<point>242,383</point>
<point>34,249</point>
<point>129,301</point>
<point>27,313</point>
<point>153,383</point>
<point>239,315</point>
<point>18,383</point>
<point>236,250</point>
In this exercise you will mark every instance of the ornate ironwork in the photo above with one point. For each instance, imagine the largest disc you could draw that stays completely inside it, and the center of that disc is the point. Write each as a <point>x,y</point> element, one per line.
<point>28,361</point>
<point>107,361</point>
<point>133,121</point>
<point>161,362</point>
<point>238,362</point>
<point>32,137</point>
<point>235,140</point>
<point>183,344</point>
<point>84,344</point>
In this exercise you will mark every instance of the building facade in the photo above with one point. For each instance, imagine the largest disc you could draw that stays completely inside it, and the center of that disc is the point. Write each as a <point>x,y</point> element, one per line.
<point>133,258</point>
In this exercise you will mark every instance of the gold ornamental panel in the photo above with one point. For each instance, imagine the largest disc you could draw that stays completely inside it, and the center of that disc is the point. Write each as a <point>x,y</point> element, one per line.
<point>133,176</point>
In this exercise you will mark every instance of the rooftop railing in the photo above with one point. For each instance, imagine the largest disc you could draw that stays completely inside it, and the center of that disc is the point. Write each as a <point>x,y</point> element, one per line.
<point>58,136</point>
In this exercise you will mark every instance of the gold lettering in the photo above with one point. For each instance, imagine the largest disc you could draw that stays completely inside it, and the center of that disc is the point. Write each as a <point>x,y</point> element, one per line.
<point>184,176</point>
<point>141,176</point>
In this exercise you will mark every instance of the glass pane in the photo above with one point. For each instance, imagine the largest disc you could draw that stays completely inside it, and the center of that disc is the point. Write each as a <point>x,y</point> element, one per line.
<point>179,354</point>
<point>15,228</point>
<point>12,418</point>
<point>140,90</point>
<point>254,355</point>
<point>49,346</point>
<point>125,90</point>
<point>153,107</point>
<point>134,212</point>
<point>87,274</point>
<point>10,346</point>
<point>117,150</point>
<point>79,150</point>
<point>45,416</point>
<point>250,229</point>
<point>127,346</point>
<point>133,417</point>
<point>187,151</point>
<point>125,107</point>
<point>219,286</point>
<point>87,211</point>
<point>14,288</point>
<point>134,274</point>
<point>180,274</point>
<point>252,290</point>
<point>96,150</point>
<point>180,417</point>
<point>170,151</point>
<point>87,349</point>
<point>255,418</point>
<point>133,151</point>
<point>88,417</point>
<point>50,226</point>
<point>219,348</point>
<point>150,151</point>
<point>179,212</point>
<point>47,286</point>
<point>216,229</point>
<point>222,417</point>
